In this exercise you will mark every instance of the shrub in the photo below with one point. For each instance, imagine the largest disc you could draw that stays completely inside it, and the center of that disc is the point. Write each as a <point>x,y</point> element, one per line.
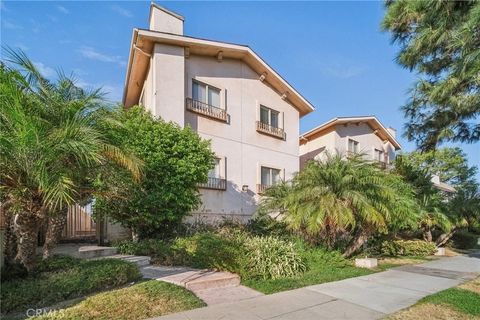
<point>408,248</point>
<point>465,240</point>
<point>63,278</point>
<point>272,258</point>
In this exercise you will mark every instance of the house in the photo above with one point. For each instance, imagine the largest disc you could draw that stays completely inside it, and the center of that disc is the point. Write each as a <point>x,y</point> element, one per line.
<point>364,135</point>
<point>228,95</point>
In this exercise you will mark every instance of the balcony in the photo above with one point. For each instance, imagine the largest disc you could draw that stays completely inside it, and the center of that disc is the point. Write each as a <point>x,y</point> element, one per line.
<point>206,110</point>
<point>271,131</point>
<point>261,188</point>
<point>214,184</point>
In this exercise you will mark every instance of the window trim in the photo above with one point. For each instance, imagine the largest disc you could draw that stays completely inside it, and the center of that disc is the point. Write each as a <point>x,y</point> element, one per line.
<point>270,110</point>
<point>356,144</point>
<point>207,86</point>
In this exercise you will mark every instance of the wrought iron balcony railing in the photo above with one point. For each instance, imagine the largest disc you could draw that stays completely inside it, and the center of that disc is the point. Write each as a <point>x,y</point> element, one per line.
<point>214,183</point>
<point>271,131</point>
<point>206,110</point>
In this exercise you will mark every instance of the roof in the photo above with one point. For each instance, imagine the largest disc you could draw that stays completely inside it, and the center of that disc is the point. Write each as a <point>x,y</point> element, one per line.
<point>142,45</point>
<point>372,121</point>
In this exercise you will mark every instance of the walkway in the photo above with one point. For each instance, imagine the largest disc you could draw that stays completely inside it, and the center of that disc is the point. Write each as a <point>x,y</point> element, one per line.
<point>368,297</point>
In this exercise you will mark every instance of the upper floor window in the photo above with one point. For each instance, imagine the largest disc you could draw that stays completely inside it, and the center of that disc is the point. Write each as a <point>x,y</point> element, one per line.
<point>206,94</point>
<point>215,171</point>
<point>269,116</point>
<point>352,146</point>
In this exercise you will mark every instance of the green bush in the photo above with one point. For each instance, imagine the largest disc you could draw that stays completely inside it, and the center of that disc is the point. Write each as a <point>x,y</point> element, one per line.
<point>465,240</point>
<point>272,258</point>
<point>61,278</point>
<point>408,248</point>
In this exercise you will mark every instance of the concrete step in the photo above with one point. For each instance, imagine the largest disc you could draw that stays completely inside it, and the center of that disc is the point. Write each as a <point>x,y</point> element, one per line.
<point>141,261</point>
<point>89,252</point>
<point>192,279</point>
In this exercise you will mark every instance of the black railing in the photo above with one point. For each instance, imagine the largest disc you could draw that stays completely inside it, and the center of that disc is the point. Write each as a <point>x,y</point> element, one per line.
<point>214,183</point>
<point>271,131</point>
<point>206,110</point>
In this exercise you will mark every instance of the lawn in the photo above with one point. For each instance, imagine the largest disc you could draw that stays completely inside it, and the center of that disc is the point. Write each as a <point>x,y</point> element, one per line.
<point>62,278</point>
<point>139,301</point>
<point>462,303</point>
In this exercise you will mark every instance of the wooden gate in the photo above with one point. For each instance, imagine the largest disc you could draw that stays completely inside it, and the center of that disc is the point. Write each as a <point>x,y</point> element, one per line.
<point>80,224</point>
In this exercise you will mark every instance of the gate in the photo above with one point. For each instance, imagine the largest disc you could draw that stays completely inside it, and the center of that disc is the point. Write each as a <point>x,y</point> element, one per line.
<point>80,225</point>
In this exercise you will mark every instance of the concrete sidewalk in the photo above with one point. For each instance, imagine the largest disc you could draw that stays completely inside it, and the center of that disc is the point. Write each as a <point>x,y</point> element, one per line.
<point>367,297</point>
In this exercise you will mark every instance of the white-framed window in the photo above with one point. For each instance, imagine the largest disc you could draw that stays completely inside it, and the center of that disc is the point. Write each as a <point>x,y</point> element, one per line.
<point>207,94</point>
<point>379,155</point>
<point>269,116</point>
<point>352,146</point>
<point>269,176</point>
<point>215,172</point>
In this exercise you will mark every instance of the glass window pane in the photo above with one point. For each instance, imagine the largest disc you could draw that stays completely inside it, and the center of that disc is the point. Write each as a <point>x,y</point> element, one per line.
<point>215,171</point>
<point>264,115</point>
<point>274,118</point>
<point>275,176</point>
<point>265,179</point>
<point>214,97</point>
<point>199,93</point>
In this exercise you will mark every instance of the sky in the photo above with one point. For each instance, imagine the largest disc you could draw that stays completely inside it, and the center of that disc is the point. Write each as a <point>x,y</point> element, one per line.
<point>333,53</point>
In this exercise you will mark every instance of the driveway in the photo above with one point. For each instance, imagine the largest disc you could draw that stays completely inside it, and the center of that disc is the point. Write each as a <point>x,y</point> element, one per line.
<point>368,297</point>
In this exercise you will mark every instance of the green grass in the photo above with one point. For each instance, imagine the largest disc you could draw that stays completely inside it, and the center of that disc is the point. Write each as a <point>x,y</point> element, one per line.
<point>140,301</point>
<point>322,266</point>
<point>461,300</point>
<point>62,278</point>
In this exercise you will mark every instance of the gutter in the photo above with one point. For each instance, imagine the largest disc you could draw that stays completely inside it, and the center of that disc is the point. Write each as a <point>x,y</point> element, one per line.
<point>130,60</point>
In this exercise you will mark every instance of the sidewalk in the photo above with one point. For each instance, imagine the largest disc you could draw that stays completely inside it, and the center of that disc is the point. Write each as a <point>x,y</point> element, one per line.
<point>367,297</point>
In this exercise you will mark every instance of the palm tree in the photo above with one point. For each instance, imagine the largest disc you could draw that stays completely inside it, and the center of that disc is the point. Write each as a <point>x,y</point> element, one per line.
<point>336,196</point>
<point>51,142</point>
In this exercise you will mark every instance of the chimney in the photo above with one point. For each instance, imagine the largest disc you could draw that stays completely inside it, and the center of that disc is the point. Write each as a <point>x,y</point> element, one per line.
<point>392,131</point>
<point>164,20</point>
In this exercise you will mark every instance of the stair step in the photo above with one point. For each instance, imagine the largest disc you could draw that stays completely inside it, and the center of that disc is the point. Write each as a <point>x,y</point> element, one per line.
<point>141,261</point>
<point>226,294</point>
<point>89,252</point>
<point>202,279</point>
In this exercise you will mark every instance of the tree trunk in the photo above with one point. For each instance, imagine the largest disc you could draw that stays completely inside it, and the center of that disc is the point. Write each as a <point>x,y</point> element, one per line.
<point>55,225</point>
<point>10,240</point>
<point>357,242</point>
<point>27,226</point>
<point>427,235</point>
<point>444,237</point>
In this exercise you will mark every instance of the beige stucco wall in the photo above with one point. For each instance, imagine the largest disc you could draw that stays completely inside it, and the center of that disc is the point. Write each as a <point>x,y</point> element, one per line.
<point>164,21</point>
<point>242,149</point>
<point>336,141</point>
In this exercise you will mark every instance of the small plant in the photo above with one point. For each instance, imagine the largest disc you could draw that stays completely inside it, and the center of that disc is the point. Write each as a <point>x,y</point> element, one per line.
<point>465,240</point>
<point>408,248</point>
<point>272,258</point>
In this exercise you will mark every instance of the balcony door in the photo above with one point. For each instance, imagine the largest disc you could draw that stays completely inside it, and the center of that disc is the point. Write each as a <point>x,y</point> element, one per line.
<point>206,94</point>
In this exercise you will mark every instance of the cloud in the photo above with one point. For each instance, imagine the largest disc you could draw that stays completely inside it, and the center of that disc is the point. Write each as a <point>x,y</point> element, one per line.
<point>47,72</point>
<point>113,92</point>
<point>10,25</point>
<point>122,11</point>
<point>91,53</point>
<point>21,46</point>
<point>62,9</point>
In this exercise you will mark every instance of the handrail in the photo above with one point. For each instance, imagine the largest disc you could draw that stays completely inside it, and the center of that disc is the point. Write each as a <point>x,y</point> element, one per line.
<point>206,109</point>
<point>214,183</point>
<point>270,130</point>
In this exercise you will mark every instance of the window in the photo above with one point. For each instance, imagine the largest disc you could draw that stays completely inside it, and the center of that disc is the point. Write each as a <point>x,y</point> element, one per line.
<point>206,94</point>
<point>379,155</point>
<point>215,171</point>
<point>269,116</point>
<point>352,146</point>
<point>269,176</point>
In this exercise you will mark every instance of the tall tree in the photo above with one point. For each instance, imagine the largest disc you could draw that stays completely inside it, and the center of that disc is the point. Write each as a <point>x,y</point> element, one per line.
<point>50,142</point>
<point>440,40</point>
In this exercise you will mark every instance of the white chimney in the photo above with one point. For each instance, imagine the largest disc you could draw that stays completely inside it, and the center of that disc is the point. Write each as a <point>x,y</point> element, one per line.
<point>164,20</point>
<point>392,131</point>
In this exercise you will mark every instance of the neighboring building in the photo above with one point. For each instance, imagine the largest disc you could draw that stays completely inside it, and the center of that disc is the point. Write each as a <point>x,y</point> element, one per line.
<point>228,95</point>
<point>350,135</point>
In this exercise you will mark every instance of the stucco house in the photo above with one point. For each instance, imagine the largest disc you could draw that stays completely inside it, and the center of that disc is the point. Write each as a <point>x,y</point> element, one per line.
<point>228,95</point>
<point>364,135</point>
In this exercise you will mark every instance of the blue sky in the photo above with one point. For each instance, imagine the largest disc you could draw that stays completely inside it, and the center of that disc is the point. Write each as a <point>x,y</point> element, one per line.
<point>334,53</point>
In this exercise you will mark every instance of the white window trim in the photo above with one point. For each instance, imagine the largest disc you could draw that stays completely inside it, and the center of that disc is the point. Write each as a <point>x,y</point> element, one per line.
<point>270,166</point>
<point>223,96</point>
<point>281,114</point>
<point>358,145</point>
